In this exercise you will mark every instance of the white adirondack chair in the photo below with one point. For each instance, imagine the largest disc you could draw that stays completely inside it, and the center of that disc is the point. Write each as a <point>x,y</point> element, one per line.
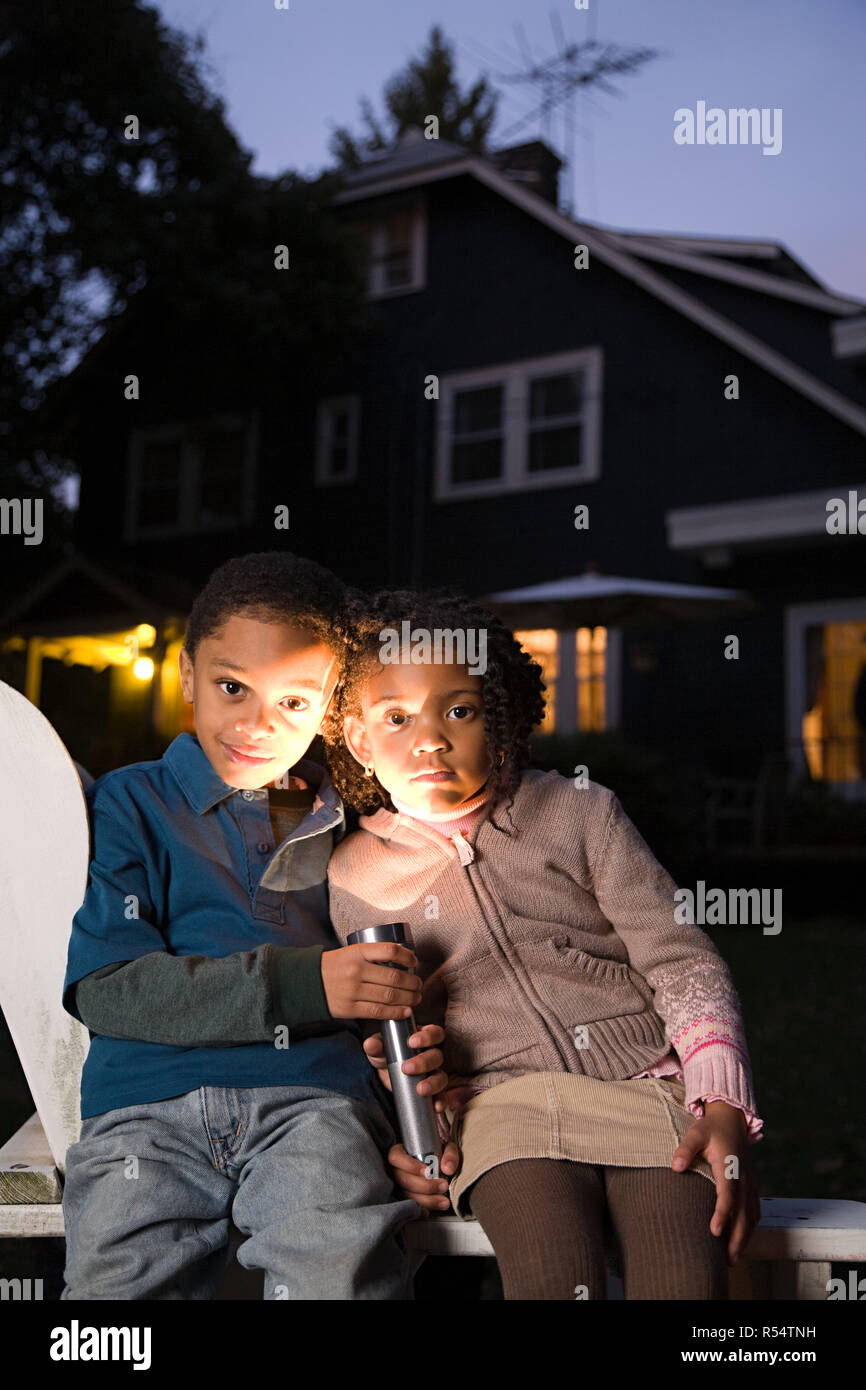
<point>44,850</point>
<point>43,875</point>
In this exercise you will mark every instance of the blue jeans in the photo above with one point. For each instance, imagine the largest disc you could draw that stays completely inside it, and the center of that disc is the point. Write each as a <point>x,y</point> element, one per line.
<point>151,1191</point>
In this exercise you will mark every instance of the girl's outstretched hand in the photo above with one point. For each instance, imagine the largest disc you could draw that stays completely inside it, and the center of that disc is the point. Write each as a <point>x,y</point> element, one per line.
<point>717,1136</point>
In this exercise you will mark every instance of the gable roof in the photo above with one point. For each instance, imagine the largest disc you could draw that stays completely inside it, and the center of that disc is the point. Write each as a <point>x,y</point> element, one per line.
<point>413,151</point>
<point>77,589</point>
<point>804,289</point>
<point>770,256</point>
<point>627,256</point>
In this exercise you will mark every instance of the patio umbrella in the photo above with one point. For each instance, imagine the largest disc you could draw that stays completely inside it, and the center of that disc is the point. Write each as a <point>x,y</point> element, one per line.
<point>592,599</point>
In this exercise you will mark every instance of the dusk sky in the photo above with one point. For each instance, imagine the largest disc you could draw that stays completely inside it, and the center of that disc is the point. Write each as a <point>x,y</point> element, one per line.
<point>288,76</point>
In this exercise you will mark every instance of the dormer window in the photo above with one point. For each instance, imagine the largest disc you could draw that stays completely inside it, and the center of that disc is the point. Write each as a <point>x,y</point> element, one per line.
<point>392,245</point>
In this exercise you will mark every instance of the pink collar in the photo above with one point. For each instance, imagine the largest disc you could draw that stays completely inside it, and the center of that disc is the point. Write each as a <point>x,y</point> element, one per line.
<point>435,818</point>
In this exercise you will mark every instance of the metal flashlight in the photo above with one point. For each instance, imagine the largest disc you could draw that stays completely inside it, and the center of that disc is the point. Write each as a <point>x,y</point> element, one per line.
<point>416,1115</point>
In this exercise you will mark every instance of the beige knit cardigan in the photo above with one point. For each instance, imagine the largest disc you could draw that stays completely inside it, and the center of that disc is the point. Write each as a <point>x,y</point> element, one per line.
<point>554,948</point>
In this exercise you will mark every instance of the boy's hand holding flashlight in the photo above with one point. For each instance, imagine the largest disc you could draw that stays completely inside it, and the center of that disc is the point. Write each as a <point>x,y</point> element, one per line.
<point>358,985</point>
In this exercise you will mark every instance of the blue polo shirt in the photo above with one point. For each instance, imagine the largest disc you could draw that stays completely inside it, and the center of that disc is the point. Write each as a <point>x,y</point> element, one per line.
<point>182,862</point>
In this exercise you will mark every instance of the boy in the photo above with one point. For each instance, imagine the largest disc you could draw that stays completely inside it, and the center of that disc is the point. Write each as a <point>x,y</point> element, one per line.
<point>223,1081</point>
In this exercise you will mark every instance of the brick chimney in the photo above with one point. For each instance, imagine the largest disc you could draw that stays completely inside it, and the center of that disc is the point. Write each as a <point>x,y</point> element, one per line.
<point>533,166</point>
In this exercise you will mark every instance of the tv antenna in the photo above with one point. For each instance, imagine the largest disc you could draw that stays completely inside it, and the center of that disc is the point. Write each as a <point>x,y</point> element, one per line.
<point>572,68</point>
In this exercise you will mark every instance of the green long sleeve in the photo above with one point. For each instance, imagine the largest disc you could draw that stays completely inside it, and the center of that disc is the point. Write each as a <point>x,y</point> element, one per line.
<point>204,1001</point>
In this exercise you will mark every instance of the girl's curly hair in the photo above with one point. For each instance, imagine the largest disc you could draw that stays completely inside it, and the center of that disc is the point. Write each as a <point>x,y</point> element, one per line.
<point>512,688</point>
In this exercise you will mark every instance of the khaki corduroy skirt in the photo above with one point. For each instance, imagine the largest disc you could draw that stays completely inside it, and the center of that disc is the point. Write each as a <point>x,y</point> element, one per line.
<point>636,1123</point>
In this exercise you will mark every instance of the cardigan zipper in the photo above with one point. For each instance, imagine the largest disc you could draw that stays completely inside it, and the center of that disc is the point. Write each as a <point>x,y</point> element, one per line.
<point>471,870</point>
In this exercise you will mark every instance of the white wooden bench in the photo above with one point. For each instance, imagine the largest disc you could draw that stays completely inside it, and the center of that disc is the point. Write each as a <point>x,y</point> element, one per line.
<point>43,875</point>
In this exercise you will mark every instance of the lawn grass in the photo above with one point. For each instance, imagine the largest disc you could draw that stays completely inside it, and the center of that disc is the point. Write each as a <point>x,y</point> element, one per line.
<point>802,998</point>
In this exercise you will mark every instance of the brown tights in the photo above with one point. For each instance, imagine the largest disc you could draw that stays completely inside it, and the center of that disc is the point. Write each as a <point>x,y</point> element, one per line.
<point>550,1222</point>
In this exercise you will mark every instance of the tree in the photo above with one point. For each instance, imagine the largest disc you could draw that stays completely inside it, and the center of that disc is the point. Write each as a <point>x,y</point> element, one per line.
<point>427,86</point>
<point>107,130</point>
<point>120,174</point>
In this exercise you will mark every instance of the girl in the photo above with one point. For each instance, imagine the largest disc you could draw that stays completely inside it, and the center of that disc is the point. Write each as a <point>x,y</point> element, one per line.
<point>599,1037</point>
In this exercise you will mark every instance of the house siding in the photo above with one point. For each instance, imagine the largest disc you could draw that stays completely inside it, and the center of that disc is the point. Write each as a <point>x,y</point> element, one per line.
<point>500,288</point>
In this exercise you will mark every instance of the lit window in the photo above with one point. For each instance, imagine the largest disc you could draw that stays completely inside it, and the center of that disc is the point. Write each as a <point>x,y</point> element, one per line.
<point>542,645</point>
<point>585,681</point>
<point>834,741</point>
<point>591,659</point>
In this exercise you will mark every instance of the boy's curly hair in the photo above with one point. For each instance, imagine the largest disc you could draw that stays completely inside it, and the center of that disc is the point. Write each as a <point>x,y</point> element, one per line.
<point>512,688</point>
<point>273,586</point>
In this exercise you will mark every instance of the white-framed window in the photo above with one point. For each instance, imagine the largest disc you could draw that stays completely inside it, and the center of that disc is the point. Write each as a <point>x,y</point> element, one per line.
<point>393,248</point>
<point>825,659</point>
<point>520,425</point>
<point>337,424</point>
<point>190,477</point>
